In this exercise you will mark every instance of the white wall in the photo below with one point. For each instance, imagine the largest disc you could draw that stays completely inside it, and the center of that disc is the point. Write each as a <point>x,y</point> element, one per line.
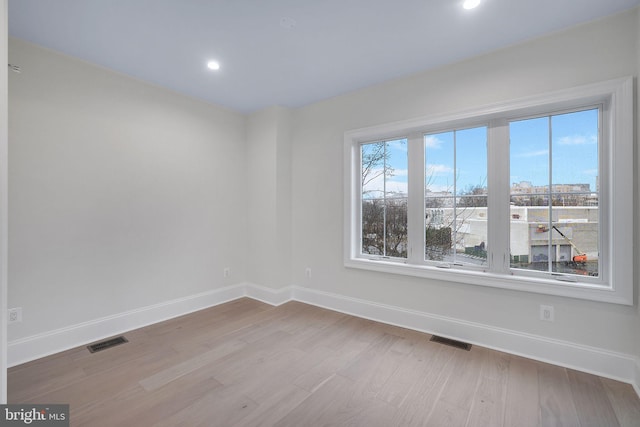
<point>636,180</point>
<point>3,202</point>
<point>594,52</point>
<point>269,197</point>
<point>122,194</point>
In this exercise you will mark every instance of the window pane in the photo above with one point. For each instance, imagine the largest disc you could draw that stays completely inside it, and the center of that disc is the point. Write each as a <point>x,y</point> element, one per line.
<point>373,226</point>
<point>471,229</point>
<point>439,166</point>
<point>373,164</point>
<point>529,156</point>
<point>384,198</point>
<point>396,228</point>
<point>575,151</point>
<point>574,189</point>
<point>397,169</point>
<point>554,217</point>
<point>439,229</point>
<point>456,196</point>
<point>471,162</point>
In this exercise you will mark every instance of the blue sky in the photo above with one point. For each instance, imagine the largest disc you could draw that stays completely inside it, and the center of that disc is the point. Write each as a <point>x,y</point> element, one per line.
<point>574,154</point>
<point>574,149</point>
<point>471,160</point>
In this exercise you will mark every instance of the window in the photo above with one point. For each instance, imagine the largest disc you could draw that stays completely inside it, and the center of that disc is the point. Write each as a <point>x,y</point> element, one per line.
<point>384,198</point>
<point>455,196</point>
<point>531,195</point>
<point>554,174</point>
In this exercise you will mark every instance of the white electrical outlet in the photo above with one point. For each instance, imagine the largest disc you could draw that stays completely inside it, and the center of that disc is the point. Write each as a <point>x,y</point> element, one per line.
<point>307,272</point>
<point>15,315</point>
<point>226,272</point>
<point>546,313</point>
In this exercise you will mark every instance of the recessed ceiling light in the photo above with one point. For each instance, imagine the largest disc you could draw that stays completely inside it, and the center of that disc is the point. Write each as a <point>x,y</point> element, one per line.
<point>213,65</point>
<point>470,4</point>
<point>288,23</point>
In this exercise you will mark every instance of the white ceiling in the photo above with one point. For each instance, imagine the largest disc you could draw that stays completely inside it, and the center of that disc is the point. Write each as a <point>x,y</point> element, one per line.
<point>335,46</point>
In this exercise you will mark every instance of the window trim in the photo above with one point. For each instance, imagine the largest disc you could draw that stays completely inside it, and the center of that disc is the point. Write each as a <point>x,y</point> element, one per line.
<point>616,96</point>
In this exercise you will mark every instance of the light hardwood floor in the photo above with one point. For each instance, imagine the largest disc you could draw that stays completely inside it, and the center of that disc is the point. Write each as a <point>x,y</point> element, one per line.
<point>246,363</point>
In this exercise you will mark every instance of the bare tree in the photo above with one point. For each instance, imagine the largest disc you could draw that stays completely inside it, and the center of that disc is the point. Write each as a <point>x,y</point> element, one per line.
<point>474,196</point>
<point>445,219</point>
<point>374,163</point>
<point>384,215</point>
<point>384,219</point>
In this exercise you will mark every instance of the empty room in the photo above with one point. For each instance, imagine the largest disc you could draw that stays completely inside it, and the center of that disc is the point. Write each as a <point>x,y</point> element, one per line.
<point>319,213</point>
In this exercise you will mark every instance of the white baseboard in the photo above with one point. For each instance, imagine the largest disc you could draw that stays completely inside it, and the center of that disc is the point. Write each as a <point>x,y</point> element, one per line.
<point>51,342</point>
<point>268,295</point>
<point>618,366</point>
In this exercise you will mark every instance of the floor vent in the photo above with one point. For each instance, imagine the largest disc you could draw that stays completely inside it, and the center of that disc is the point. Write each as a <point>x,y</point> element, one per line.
<point>103,345</point>
<point>450,342</point>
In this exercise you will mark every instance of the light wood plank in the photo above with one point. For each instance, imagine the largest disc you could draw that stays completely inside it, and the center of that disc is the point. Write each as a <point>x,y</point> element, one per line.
<point>624,400</point>
<point>397,388</point>
<point>136,406</point>
<point>321,405</point>
<point>26,383</point>
<point>421,400</point>
<point>165,376</point>
<point>556,402</point>
<point>332,362</point>
<point>341,402</point>
<point>462,386</point>
<point>522,406</point>
<point>590,398</point>
<point>496,366</point>
<point>448,414</point>
<point>85,392</point>
<point>245,363</point>
<point>369,359</point>
<point>487,408</point>
<point>224,406</point>
<point>277,406</point>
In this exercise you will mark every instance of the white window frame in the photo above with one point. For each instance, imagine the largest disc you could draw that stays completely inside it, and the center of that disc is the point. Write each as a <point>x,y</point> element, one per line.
<point>615,284</point>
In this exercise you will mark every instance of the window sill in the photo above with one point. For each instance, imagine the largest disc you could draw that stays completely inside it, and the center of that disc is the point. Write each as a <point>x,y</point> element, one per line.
<point>577,289</point>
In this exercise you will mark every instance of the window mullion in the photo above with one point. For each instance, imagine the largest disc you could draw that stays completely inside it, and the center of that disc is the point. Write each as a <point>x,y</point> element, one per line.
<point>454,227</point>
<point>415,203</point>
<point>499,199</point>
<point>550,254</point>
<point>384,200</point>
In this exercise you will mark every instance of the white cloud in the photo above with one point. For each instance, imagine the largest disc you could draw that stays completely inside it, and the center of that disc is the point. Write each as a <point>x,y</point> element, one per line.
<point>377,172</point>
<point>439,188</point>
<point>400,145</point>
<point>433,170</point>
<point>578,140</point>
<point>431,141</point>
<point>397,187</point>
<point>533,153</point>
<point>395,184</point>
